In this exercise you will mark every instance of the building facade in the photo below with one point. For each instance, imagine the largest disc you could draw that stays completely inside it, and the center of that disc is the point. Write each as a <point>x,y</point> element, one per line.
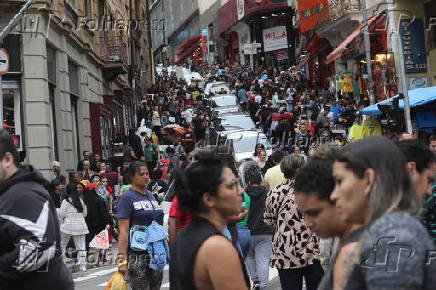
<point>70,87</point>
<point>332,51</point>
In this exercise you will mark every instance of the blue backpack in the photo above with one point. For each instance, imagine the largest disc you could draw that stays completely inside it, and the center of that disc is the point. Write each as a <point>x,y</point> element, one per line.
<point>139,238</point>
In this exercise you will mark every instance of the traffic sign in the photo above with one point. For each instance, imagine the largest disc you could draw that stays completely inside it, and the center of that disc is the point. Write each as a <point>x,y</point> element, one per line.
<point>4,61</point>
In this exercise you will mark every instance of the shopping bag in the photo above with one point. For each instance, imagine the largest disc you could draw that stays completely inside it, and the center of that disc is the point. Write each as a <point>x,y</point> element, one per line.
<point>100,241</point>
<point>117,282</point>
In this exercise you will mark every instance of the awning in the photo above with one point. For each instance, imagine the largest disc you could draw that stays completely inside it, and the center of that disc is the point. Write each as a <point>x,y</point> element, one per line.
<point>301,63</point>
<point>339,51</point>
<point>417,97</point>
<point>187,48</point>
<point>189,42</point>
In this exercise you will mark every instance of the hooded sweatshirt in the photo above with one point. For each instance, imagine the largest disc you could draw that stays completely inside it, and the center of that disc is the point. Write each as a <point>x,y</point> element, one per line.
<point>30,254</point>
<point>257,207</point>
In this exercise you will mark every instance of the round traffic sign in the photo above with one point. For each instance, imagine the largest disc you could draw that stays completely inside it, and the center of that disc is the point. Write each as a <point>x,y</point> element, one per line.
<point>4,61</point>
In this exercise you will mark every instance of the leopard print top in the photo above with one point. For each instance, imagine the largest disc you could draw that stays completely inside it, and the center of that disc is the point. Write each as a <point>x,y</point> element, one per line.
<point>294,244</point>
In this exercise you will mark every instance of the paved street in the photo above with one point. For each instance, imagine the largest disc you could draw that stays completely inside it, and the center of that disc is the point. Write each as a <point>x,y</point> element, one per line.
<point>97,278</point>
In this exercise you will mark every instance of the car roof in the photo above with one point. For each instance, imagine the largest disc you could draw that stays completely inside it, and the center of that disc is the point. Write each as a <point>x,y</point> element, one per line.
<point>223,96</point>
<point>234,114</point>
<point>245,133</point>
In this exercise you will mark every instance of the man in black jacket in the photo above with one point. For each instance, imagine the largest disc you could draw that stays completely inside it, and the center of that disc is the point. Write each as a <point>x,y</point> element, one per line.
<point>30,254</point>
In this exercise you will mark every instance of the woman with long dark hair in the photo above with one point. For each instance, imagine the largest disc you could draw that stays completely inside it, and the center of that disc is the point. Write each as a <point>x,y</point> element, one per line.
<point>56,188</point>
<point>97,218</point>
<point>373,188</point>
<point>72,222</point>
<point>202,257</point>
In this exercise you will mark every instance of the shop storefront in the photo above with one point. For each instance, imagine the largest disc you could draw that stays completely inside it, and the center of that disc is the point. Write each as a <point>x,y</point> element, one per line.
<point>12,110</point>
<point>11,91</point>
<point>351,77</point>
<point>271,26</point>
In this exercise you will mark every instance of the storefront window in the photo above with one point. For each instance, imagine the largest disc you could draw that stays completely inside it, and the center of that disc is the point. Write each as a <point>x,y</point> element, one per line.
<point>11,113</point>
<point>105,132</point>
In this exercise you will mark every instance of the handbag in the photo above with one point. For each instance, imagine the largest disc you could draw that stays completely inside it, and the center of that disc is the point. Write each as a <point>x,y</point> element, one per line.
<point>139,238</point>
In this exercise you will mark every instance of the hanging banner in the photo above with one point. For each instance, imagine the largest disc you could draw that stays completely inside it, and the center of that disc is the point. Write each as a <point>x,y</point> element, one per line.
<point>241,9</point>
<point>412,38</point>
<point>275,38</point>
<point>311,12</point>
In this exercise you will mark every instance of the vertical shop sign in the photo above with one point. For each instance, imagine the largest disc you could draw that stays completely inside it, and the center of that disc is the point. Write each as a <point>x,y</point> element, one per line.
<point>412,39</point>
<point>241,9</point>
<point>311,12</point>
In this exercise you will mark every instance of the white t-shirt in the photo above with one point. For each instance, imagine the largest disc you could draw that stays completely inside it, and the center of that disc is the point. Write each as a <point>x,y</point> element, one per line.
<point>188,114</point>
<point>155,119</point>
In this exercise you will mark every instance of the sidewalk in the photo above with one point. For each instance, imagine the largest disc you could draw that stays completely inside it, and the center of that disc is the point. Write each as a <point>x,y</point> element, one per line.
<point>92,259</point>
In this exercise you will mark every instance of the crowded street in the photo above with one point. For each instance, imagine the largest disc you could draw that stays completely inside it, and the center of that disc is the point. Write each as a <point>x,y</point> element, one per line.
<point>206,144</point>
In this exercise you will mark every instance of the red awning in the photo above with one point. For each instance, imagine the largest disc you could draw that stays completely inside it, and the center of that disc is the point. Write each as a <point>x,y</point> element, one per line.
<point>339,51</point>
<point>189,42</point>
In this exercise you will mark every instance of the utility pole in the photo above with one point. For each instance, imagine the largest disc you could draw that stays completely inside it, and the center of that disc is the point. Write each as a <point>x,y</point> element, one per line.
<point>367,42</point>
<point>16,20</point>
<point>397,48</point>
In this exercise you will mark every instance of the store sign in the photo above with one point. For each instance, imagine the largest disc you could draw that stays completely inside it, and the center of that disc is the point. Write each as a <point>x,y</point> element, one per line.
<point>275,38</point>
<point>281,55</point>
<point>311,12</point>
<point>419,82</point>
<point>249,49</point>
<point>412,38</point>
<point>240,5</point>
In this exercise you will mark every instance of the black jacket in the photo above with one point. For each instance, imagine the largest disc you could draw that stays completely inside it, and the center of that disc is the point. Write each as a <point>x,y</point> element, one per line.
<point>30,254</point>
<point>98,216</point>
<point>257,207</point>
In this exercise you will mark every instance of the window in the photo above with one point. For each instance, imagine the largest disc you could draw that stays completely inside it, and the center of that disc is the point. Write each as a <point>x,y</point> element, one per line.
<point>73,72</point>
<point>51,69</point>
<point>52,112</point>
<point>101,8</point>
<point>430,23</point>
<point>75,120</point>
<point>12,44</point>
<point>88,9</point>
<point>105,131</point>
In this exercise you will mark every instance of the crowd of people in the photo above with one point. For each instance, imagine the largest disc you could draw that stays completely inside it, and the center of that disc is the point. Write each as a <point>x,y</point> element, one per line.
<point>317,209</point>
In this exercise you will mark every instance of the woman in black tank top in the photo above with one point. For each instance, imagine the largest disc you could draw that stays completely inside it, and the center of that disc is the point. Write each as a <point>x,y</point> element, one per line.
<point>201,257</point>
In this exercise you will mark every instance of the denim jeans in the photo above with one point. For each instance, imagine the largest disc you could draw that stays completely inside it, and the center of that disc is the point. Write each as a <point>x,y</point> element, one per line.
<point>244,239</point>
<point>258,259</point>
<point>292,279</point>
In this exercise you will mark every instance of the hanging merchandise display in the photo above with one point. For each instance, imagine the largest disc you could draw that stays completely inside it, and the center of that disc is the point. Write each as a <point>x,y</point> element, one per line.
<point>348,81</point>
<point>385,84</point>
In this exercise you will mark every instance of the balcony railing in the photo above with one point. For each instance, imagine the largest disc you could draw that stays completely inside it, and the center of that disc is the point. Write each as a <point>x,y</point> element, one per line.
<point>113,49</point>
<point>339,8</point>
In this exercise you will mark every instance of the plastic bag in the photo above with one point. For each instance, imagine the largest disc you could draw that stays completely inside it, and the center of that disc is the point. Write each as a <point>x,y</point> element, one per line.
<point>100,241</point>
<point>117,282</point>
